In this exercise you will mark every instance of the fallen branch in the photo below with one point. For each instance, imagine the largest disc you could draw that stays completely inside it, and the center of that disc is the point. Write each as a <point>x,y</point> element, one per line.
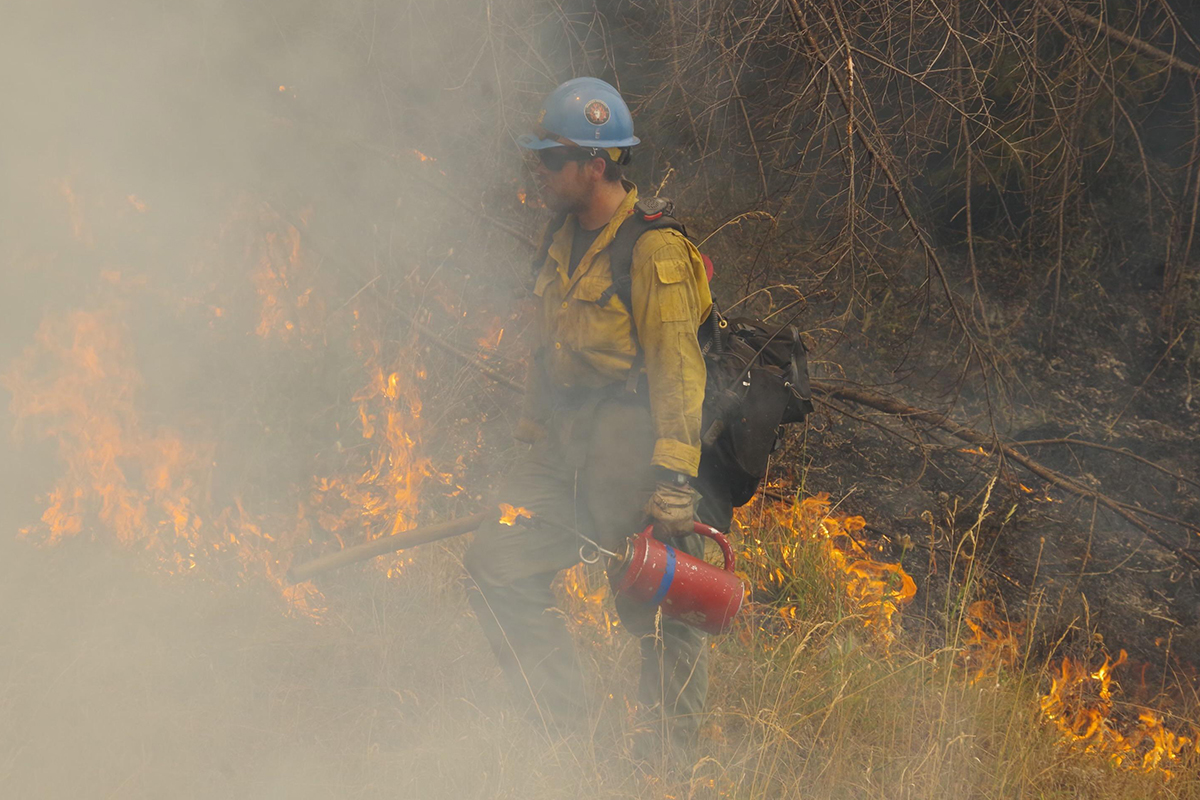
<point>1067,442</point>
<point>890,405</point>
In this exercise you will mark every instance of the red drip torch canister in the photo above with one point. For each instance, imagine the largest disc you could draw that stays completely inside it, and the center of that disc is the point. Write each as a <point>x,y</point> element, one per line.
<point>685,587</point>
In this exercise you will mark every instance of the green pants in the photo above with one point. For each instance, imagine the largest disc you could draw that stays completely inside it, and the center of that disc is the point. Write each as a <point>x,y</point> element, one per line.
<point>590,475</point>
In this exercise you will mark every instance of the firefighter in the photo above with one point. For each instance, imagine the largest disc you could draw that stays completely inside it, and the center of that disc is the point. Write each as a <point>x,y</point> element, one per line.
<point>612,410</point>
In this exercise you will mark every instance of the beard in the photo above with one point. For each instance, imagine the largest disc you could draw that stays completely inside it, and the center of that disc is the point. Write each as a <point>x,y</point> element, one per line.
<point>563,203</point>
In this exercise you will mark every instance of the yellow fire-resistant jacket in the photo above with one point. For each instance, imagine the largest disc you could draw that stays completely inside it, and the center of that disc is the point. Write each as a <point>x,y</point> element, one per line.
<point>583,345</point>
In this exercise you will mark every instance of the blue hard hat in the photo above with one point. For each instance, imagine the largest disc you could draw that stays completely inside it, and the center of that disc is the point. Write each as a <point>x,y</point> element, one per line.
<point>585,111</point>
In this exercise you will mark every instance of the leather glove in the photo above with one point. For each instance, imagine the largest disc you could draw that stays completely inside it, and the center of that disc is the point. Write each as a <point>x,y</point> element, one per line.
<point>672,508</point>
<point>528,431</point>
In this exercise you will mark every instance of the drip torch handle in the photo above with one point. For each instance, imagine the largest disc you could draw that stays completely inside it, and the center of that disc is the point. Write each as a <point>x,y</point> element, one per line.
<point>719,538</point>
<point>711,533</point>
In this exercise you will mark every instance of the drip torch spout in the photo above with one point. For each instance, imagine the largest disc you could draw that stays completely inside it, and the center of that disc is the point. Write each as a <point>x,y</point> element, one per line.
<point>388,544</point>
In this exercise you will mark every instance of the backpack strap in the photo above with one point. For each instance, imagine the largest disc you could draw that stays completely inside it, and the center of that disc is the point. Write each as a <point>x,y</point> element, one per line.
<point>649,214</point>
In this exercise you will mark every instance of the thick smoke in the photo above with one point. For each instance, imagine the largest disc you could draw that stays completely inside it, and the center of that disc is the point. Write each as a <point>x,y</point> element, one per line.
<point>219,220</point>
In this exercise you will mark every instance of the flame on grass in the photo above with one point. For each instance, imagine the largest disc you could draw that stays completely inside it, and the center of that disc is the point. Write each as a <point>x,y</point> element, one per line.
<point>779,546</point>
<point>585,592</point>
<point>286,308</point>
<point>144,485</point>
<point>147,486</point>
<point>1080,704</point>
<point>79,229</point>
<point>423,158</point>
<point>491,339</point>
<point>376,492</point>
<point>777,554</point>
<point>992,644</point>
<point>381,499</point>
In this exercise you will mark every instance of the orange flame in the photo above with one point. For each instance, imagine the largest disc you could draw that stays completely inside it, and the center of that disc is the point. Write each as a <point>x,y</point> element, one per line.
<point>491,340</point>
<point>587,609</point>
<point>1080,704</point>
<point>78,384</point>
<point>388,487</point>
<point>285,308</point>
<point>992,644</point>
<point>876,589</point>
<point>510,513</point>
<point>75,211</point>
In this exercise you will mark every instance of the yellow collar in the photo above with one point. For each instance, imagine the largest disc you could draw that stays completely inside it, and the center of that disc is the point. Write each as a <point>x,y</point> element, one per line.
<point>560,251</point>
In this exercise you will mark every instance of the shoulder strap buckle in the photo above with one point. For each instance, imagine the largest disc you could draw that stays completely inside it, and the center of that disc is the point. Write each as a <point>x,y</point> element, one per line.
<point>651,208</point>
<point>649,213</point>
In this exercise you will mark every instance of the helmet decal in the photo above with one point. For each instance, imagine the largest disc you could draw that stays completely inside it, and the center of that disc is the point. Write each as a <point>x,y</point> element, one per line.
<point>587,112</point>
<point>596,112</point>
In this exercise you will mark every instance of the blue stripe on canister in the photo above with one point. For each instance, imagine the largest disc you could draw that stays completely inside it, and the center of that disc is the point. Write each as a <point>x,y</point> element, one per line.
<point>668,576</point>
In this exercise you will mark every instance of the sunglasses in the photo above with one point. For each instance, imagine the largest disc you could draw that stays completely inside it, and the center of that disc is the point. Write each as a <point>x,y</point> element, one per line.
<point>555,158</point>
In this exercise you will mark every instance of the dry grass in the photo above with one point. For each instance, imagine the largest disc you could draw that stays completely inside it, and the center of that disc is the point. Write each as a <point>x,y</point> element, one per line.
<point>115,683</point>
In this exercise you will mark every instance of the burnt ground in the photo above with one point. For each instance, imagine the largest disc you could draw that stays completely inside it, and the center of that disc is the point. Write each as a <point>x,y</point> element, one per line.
<point>1093,583</point>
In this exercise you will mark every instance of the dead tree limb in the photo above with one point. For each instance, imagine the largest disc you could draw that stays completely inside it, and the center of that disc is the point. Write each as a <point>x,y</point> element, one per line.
<point>1067,442</point>
<point>1140,45</point>
<point>890,405</point>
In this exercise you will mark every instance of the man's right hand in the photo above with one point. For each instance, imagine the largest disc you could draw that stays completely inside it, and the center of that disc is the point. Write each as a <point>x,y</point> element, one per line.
<point>672,508</point>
